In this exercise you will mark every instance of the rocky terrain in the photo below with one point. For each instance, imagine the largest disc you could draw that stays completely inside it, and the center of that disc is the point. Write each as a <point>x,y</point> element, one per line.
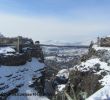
<point>19,70</point>
<point>89,79</point>
<point>92,75</point>
<point>69,73</point>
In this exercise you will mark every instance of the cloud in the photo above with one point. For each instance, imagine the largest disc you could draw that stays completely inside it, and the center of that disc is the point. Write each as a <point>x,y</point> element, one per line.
<point>49,27</point>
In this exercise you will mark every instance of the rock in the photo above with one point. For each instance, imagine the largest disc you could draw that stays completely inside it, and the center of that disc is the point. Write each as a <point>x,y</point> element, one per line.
<point>13,91</point>
<point>9,75</point>
<point>108,62</point>
<point>105,56</point>
<point>97,67</point>
<point>32,85</point>
<point>103,73</point>
<point>14,76</point>
<point>4,87</point>
<point>105,42</point>
<point>100,53</point>
<point>61,80</point>
<point>20,85</point>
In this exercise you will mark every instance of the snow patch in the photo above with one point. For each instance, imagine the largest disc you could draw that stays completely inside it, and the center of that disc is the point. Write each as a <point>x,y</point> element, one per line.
<point>5,50</point>
<point>63,73</point>
<point>61,87</point>
<point>100,48</point>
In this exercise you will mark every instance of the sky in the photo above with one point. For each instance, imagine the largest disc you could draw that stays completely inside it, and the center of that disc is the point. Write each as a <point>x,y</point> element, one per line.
<point>67,20</point>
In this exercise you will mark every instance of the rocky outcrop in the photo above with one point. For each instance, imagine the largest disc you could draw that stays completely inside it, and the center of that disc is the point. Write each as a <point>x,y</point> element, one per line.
<point>105,42</point>
<point>13,60</point>
<point>84,83</point>
<point>4,96</point>
<point>88,55</point>
<point>21,58</point>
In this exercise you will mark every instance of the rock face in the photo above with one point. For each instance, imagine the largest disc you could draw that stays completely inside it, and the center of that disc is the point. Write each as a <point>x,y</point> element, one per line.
<point>84,82</point>
<point>13,60</point>
<point>105,42</point>
<point>24,49</point>
<point>20,59</point>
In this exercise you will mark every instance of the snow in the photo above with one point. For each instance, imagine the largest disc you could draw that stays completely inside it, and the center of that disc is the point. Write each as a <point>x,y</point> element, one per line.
<point>50,58</point>
<point>90,64</point>
<point>61,87</point>
<point>5,50</point>
<point>103,67</point>
<point>106,80</point>
<point>64,73</point>
<point>102,94</point>
<point>12,76</point>
<point>101,48</point>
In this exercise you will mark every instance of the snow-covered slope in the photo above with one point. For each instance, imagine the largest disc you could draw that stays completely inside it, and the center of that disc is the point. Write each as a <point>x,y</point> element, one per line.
<point>20,76</point>
<point>99,65</point>
<point>93,64</point>
<point>102,94</point>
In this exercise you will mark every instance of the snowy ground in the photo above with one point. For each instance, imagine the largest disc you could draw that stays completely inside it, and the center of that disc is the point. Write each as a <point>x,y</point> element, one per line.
<point>13,76</point>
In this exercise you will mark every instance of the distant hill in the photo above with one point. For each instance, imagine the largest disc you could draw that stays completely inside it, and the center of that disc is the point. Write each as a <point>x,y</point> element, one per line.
<point>60,42</point>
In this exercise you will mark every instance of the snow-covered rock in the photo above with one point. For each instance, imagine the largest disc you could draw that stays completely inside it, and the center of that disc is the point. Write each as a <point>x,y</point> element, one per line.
<point>91,64</point>
<point>101,48</point>
<point>61,87</point>
<point>5,50</point>
<point>100,64</point>
<point>63,73</point>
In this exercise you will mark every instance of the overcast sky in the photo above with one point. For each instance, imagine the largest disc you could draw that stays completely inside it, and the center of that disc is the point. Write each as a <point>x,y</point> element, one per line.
<point>69,20</point>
